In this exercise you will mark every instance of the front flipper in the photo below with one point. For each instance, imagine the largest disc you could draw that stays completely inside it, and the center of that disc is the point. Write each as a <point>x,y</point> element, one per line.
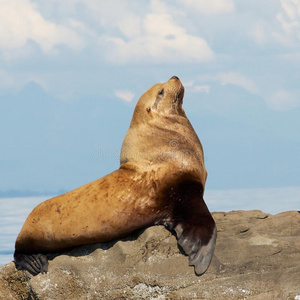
<point>193,224</point>
<point>198,243</point>
<point>34,263</point>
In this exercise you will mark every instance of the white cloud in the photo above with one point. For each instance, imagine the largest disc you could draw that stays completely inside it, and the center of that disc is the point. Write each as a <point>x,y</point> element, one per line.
<point>159,40</point>
<point>289,19</point>
<point>120,31</point>
<point>212,7</point>
<point>201,88</point>
<point>157,32</point>
<point>280,22</point>
<point>291,8</point>
<point>237,79</point>
<point>196,88</point>
<point>283,100</point>
<point>233,78</point>
<point>125,95</point>
<point>188,84</point>
<point>20,22</point>
<point>131,27</point>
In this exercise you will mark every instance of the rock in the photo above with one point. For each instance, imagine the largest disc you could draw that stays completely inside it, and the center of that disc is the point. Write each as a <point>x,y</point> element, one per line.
<point>257,257</point>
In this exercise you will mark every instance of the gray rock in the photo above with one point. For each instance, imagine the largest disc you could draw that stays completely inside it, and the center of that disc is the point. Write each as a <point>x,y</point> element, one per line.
<point>257,257</point>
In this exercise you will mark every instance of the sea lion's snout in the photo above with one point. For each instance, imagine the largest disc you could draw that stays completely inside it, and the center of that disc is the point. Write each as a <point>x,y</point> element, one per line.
<point>177,88</point>
<point>175,84</point>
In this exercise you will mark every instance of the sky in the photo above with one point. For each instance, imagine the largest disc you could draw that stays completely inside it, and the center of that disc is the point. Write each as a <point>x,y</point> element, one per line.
<point>72,71</point>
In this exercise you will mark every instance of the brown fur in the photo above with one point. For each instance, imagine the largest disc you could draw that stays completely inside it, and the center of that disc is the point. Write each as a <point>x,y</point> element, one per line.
<point>161,164</point>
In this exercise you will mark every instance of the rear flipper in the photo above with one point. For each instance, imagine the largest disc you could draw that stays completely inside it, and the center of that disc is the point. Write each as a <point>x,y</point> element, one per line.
<point>33,263</point>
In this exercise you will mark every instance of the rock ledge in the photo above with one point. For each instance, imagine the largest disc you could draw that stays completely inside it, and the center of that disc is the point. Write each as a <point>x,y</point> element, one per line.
<point>257,257</point>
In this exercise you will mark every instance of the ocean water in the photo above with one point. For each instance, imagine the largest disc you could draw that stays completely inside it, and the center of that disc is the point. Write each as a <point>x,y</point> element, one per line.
<point>14,211</point>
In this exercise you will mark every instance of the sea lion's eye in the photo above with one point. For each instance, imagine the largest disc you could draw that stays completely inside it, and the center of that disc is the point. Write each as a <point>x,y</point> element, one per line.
<point>148,109</point>
<point>161,92</point>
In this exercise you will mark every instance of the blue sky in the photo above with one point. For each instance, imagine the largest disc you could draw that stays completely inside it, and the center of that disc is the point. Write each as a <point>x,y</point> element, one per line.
<point>72,71</point>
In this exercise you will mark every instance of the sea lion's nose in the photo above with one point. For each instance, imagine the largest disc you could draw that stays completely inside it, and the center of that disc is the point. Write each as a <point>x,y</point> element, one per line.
<point>174,77</point>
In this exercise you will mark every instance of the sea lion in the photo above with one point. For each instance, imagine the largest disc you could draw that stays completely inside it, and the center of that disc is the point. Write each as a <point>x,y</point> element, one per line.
<point>160,181</point>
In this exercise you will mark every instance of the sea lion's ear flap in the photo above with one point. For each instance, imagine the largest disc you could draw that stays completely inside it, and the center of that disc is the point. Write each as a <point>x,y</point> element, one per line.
<point>198,242</point>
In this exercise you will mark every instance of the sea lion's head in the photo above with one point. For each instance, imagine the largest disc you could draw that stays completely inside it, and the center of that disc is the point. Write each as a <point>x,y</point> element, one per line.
<point>160,133</point>
<point>163,99</point>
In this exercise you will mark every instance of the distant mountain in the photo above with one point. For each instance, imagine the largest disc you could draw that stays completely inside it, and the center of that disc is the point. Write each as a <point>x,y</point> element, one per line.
<point>49,144</point>
<point>28,193</point>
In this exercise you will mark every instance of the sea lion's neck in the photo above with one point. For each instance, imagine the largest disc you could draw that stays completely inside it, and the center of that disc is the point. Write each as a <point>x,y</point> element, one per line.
<point>168,141</point>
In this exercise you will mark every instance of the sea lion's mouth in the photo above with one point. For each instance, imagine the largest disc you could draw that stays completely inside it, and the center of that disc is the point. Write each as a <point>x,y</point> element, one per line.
<point>178,97</point>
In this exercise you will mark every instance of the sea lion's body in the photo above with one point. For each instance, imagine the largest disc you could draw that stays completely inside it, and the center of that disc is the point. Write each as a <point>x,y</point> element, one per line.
<point>161,180</point>
<point>96,212</point>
